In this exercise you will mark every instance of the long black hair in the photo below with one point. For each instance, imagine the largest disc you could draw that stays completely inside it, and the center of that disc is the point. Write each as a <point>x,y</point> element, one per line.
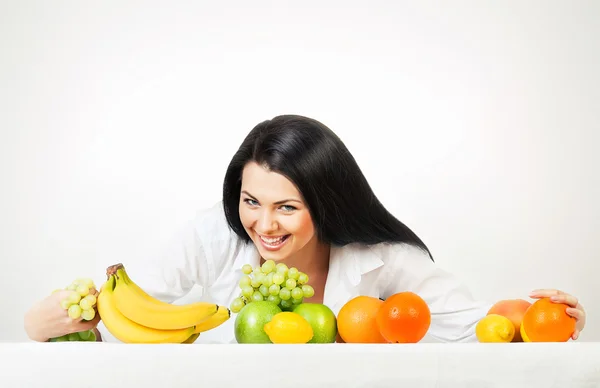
<point>341,202</point>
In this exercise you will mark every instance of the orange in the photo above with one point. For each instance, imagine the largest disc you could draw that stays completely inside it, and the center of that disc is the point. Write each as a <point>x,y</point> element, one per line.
<point>547,321</point>
<point>356,320</point>
<point>513,309</point>
<point>404,318</point>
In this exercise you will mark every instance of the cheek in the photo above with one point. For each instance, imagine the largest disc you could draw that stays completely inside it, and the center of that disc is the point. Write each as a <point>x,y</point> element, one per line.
<point>301,226</point>
<point>245,217</point>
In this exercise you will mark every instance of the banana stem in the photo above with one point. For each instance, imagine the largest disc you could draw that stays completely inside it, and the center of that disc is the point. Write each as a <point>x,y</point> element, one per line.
<point>112,270</point>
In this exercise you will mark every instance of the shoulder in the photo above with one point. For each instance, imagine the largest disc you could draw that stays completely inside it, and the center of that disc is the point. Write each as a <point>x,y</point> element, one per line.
<point>405,264</point>
<point>400,254</point>
<point>218,242</point>
<point>212,218</point>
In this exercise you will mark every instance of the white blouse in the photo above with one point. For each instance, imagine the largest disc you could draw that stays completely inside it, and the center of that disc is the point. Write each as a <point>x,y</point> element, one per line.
<point>205,261</point>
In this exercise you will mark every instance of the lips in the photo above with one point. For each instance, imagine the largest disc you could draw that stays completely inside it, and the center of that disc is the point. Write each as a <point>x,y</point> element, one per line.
<point>273,242</point>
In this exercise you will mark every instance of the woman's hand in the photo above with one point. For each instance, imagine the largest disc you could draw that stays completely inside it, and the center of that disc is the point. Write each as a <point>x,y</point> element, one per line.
<point>47,319</point>
<point>575,308</point>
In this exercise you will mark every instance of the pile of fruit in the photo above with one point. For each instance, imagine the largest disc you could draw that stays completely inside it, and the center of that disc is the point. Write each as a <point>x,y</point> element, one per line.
<point>80,303</point>
<point>271,309</point>
<point>517,320</point>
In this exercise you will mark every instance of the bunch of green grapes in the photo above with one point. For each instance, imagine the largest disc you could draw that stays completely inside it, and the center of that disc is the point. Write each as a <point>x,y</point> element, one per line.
<point>286,287</point>
<point>79,303</point>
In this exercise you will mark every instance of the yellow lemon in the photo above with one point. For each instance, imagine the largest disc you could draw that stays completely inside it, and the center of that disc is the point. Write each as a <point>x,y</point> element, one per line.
<point>495,328</point>
<point>524,335</point>
<point>288,328</point>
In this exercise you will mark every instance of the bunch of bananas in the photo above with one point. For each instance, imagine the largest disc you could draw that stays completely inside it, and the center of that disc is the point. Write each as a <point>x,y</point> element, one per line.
<point>133,316</point>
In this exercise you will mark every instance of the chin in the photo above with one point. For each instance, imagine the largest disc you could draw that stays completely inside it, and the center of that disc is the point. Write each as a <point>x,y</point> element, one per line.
<point>270,255</point>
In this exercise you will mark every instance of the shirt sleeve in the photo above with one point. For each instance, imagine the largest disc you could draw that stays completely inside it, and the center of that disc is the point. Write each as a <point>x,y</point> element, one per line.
<point>454,311</point>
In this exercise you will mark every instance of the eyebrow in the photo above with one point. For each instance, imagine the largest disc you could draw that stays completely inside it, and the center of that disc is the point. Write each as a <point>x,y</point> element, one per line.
<point>276,203</point>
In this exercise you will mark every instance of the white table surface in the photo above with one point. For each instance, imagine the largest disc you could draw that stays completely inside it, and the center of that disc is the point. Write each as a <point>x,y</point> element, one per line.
<point>544,365</point>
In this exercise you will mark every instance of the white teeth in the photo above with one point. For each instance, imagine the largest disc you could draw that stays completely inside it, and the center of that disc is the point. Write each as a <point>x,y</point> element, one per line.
<point>272,241</point>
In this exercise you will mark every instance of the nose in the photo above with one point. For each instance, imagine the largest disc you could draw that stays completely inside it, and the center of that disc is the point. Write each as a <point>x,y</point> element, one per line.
<point>266,222</point>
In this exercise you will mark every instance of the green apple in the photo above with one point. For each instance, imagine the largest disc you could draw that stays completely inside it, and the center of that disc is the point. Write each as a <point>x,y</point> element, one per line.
<point>321,319</point>
<point>250,322</point>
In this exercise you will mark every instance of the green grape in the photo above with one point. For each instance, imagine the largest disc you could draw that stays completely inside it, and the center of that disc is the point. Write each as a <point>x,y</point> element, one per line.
<point>85,304</point>
<point>247,269</point>
<point>247,291</point>
<point>286,304</point>
<point>297,293</point>
<point>274,289</point>
<point>268,266</point>
<point>65,303</point>
<point>90,298</point>
<point>261,277</point>
<point>285,294</point>
<point>245,281</point>
<point>88,314</point>
<point>278,278</point>
<point>84,335</point>
<point>63,338</point>
<point>72,287</point>
<point>290,284</point>
<point>308,291</point>
<point>302,278</point>
<point>236,305</point>
<point>89,283</point>
<point>268,281</point>
<point>264,290</point>
<point>73,297</point>
<point>257,296</point>
<point>274,299</point>
<point>281,268</point>
<point>296,301</point>
<point>256,271</point>
<point>255,283</point>
<point>74,311</point>
<point>293,273</point>
<point>92,337</point>
<point>73,337</point>
<point>82,290</point>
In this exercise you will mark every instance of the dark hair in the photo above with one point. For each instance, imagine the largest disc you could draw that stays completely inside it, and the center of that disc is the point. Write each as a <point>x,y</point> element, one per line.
<point>343,207</point>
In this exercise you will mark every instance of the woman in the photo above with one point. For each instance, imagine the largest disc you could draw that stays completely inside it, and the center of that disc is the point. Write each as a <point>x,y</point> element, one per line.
<point>293,193</point>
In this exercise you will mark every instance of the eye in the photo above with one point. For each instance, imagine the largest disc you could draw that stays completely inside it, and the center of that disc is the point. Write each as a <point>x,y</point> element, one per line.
<point>288,208</point>
<point>251,202</point>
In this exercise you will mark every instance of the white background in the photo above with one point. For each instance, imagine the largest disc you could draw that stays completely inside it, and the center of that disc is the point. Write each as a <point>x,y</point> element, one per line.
<point>476,123</point>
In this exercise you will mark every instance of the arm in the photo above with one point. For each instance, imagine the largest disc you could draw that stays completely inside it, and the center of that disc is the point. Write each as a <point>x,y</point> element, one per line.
<point>454,312</point>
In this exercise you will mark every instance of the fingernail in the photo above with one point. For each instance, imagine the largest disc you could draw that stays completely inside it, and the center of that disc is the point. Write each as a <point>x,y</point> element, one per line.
<point>554,298</point>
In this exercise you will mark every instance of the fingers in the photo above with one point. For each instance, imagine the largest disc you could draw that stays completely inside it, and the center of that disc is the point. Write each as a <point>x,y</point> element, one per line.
<point>545,293</point>
<point>79,324</point>
<point>576,313</point>
<point>575,335</point>
<point>555,296</point>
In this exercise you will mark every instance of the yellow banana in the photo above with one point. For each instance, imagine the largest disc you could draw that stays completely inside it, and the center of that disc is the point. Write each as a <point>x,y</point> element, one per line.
<point>191,339</point>
<point>215,320</point>
<point>156,314</point>
<point>128,331</point>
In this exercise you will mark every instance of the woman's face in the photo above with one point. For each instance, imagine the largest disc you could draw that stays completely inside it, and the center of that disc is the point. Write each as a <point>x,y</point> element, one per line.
<point>274,214</point>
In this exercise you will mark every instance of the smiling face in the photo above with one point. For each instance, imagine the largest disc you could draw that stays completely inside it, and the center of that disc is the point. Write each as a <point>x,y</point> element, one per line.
<point>274,214</point>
